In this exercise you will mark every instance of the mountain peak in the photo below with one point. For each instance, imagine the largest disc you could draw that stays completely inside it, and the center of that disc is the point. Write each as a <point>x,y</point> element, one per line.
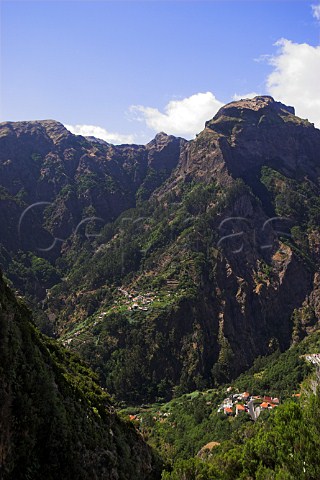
<point>161,135</point>
<point>51,129</point>
<point>55,130</point>
<point>247,134</point>
<point>259,102</point>
<point>252,106</point>
<point>160,138</point>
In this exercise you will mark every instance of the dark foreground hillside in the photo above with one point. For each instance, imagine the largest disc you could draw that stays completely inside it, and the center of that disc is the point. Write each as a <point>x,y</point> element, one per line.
<point>55,422</point>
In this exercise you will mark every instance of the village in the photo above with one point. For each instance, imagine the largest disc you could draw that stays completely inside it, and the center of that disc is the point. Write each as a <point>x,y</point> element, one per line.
<point>232,406</point>
<point>127,301</point>
<point>313,358</point>
<point>254,405</point>
<point>136,301</point>
<point>238,403</point>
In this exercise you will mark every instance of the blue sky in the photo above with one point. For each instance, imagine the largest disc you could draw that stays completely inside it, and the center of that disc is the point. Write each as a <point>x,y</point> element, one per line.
<point>123,70</point>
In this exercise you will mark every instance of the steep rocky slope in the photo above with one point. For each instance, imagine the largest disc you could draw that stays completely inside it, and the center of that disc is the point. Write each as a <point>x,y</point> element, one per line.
<point>246,135</point>
<point>216,266</point>
<point>55,422</point>
<point>41,161</point>
<point>54,184</point>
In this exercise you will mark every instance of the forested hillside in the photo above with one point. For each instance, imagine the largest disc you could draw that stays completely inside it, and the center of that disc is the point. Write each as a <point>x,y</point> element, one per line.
<point>55,421</point>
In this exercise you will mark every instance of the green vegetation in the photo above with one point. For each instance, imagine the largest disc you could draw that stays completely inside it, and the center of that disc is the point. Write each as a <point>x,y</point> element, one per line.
<point>280,444</point>
<point>168,248</point>
<point>125,346</point>
<point>106,184</point>
<point>185,424</point>
<point>152,180</point>
<point>159,306</point>
<point>32,274</point>
<point>295,199</point>
<point>55,420</point>
<point>283,446</point>
<point>278,375</point>
<point>14,199</point>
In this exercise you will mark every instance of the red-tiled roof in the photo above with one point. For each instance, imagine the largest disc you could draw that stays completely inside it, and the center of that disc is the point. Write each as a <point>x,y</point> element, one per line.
<point>240,407</point>
<point>228,410</point>
<point>264,405</point>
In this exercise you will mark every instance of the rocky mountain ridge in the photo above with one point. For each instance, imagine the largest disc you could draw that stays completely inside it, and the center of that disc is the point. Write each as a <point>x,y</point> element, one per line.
<point>245,135</point>
<point>222,232</point>
<point>41,161</point>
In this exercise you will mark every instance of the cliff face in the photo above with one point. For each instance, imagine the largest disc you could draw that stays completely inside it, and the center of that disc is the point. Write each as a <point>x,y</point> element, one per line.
<point>248,134</point>
<point>55,422</point>
<point>216,262</point>
<point>76,177</point>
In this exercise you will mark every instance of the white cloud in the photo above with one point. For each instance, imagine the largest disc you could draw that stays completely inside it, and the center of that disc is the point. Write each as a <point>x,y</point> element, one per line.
<point>181,117</point>
<point>293,81</point>
<point>316,11</point>
<point>295,78</point>
<point>99,132</point>
<point>237,97</point>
